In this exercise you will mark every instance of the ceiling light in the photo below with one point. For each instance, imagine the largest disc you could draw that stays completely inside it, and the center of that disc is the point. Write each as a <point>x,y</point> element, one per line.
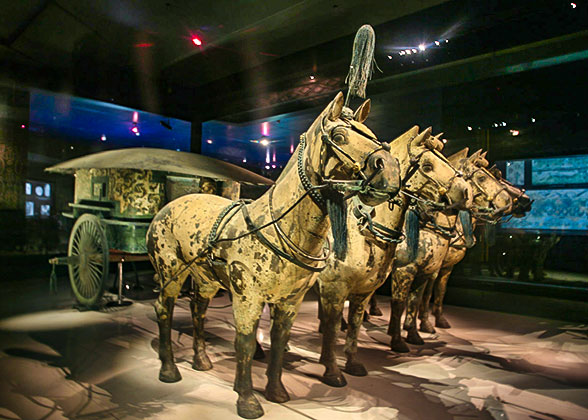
<point>265,127</point>
<point>514,132</point>
<point>444,141</point>
<point>103,137</point>
<point>437,43</point>
<point>389,57</point>
<point>135,129</point>
<point>422,47</point>
<point>244,160</point>
<point>196,41</point>
<point>414,50</point>
<point>409,52</point>
<point>533,120</point>
<point>470,128</point>
<point>311,77</point>
<point>267,166</point>
<point>209,141</point>
<point>574,5</point>
<point>446,41</point>
<point>23,126</point>
<point>264,142</point>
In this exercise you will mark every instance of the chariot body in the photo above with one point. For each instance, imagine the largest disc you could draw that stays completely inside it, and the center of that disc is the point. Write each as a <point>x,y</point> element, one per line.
<point>116,195</point>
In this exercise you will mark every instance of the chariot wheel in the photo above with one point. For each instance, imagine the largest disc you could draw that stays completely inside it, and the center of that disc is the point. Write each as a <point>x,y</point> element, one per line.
<point>88,255</point>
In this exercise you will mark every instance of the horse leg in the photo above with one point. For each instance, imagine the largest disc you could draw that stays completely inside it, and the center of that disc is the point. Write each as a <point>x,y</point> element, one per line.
<point>332,302</point>
<point>402,277</point>
<point>440,289</point>
<point>357,306</point>
<point>414,299</point>
<point>425,308</point>
<point>198,305</point>
<point>164,309</point>
<point>246,314</point>
<point>282,318</point>
<point>374,308</point>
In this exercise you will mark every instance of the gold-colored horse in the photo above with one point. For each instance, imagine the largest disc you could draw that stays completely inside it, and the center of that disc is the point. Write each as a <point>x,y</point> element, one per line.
<point>437,230</point>
<point>373,235</point>
<point>268,251</point>
<point>489,214</point>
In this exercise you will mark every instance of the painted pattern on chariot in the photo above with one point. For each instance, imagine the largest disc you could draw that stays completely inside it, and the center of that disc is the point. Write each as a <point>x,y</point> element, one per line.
<point>136,191</point>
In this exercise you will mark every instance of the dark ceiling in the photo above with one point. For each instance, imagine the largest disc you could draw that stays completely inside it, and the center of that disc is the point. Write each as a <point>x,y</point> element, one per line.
<point>256,55</point>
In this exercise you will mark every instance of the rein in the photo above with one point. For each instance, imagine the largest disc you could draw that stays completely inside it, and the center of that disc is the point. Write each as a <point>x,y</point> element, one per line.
<point>379,231</point>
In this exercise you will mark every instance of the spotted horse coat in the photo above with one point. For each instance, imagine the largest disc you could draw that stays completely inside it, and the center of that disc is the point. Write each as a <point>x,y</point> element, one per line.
<point>221,243</point>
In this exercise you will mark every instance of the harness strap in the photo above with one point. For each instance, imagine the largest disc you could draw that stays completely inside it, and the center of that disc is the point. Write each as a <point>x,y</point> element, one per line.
<point>378,230</point>
<point>274,248</point>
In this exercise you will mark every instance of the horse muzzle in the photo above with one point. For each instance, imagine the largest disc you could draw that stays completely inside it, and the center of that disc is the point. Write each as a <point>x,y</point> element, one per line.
<point>382,182</point>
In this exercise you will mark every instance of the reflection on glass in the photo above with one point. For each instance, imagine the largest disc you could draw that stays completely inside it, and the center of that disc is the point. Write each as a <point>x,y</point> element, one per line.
<point>39,191</point>
<point>28,188</point>
<point>47,190</point>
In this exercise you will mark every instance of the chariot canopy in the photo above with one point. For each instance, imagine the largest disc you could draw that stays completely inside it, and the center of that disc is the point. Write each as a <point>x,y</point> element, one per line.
<point>161,160</point>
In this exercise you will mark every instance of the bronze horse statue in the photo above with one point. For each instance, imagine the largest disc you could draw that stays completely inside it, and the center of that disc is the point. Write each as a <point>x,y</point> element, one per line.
<point>437,286</point>
<point>437,230</point>
<point>373,235</point>
<point>270,250</point>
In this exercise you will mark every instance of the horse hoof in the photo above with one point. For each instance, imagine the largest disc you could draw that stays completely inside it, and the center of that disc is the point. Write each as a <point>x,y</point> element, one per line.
<point>336,381</point>
<point>276,393</point>
<point>427,327</point>
<point>201,363</point>
<point>249,407</point>
<point>413,337</point>
<point>355,369</point>
<point>376,311</point>
<point>169,374</point>
<point>441,322</point>
<point>399,346</point>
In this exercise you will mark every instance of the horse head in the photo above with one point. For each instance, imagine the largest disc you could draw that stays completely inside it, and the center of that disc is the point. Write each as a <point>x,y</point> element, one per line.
<point>521,201</point>
<point>427,174</point>
<point>491,197</point>
<point>346,155</point>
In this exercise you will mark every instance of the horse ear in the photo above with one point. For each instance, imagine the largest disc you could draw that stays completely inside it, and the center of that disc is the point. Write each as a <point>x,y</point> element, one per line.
<point>475,156</point>
<point>483,155</point>
<point>336,107</point>
<point>456,157</point>
<point>421,138</point>
<point>363,111</point>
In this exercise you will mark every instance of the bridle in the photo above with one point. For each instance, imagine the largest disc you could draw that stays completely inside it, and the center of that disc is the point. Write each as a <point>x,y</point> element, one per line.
<point>415,167</point>
<point>328,145</point>
<point>490,214</point>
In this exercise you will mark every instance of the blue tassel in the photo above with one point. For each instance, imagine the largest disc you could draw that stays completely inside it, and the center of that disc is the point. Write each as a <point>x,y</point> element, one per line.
<point>466,223</point>
<point>412,234</point>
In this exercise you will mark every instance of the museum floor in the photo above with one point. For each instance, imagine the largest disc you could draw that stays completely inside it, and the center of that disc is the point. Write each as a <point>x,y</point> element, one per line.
<point>61,363</point>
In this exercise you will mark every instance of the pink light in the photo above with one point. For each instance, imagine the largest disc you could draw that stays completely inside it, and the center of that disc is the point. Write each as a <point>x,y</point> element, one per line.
<point>267,155</point>
<point>144,45</point>
<point>23,126</point>
<point>196,41</point>
<point>274,156</point>
<point>135,117</point>
<point>291,147</point>
<point>209,141</point>
<point>273,166</point>
<point>265,129</point>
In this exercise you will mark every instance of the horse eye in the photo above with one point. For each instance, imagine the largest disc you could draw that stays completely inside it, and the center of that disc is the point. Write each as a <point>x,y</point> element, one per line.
<point>481,178</point>
<point>427,167</point>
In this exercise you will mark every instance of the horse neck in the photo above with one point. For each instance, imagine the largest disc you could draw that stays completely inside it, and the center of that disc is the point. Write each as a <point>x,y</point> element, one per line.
<point>445,220</point>
<point>306,224</point>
